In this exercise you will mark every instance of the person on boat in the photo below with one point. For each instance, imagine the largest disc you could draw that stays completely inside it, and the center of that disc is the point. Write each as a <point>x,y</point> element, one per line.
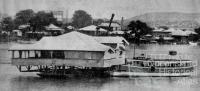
<point>153,68</point>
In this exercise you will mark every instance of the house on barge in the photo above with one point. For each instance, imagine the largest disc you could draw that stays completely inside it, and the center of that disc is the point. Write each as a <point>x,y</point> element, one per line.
<point>73,50</point>
<point>117,43</point>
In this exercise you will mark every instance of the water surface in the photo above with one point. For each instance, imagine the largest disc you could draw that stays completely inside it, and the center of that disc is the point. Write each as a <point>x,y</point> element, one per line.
<point>12,80</point>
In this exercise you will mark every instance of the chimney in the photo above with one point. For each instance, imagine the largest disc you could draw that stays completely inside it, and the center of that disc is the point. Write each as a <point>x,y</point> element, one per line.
<point>122,23</point>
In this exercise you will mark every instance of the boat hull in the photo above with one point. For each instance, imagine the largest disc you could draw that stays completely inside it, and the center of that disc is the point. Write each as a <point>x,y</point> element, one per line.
<point>142,74</point>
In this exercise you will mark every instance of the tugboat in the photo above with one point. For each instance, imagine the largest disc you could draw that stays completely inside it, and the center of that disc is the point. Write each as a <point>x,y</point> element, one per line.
<point>171,65</point>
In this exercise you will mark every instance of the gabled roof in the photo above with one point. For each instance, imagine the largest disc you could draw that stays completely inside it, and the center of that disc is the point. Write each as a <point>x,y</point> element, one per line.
<point>53,27</point>
<point>23,26</point>
<point>111,39</point>
<point>179,33</point>
<point>73,41</point>
<point>112,24</point>
<point>161,31</point>
<point>92,28</point>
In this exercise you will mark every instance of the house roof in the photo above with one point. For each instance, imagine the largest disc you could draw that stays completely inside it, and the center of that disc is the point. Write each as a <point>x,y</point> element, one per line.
<point>73,41</point>
<point>111,39</point>
<point>176,32</point>
<point>112,24</point>
<point>24,26</point>
<point>53,27</point>
<point>148,35</point>
<point>161,30</point>
<point>179,33</point>
<point>92,28</point>
<point>190,32</point>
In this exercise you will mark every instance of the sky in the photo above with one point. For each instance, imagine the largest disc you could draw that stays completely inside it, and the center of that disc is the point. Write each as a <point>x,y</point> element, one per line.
<point>102,8</point>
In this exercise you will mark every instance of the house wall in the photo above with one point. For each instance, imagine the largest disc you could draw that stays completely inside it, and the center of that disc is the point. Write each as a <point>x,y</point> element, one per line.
<point>163,34</point>
<point>68,58</point>
<point>93,33</point>
<point>58,54</point>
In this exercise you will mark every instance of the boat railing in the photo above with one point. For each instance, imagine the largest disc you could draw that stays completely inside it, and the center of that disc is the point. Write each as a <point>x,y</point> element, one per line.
<point>147,63</point>
<point>165,56</point>
<point>136,66</point>
<point>159,70</point>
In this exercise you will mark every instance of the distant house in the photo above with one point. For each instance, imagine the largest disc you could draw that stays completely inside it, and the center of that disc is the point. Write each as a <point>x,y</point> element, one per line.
<point>161,33</point>
<point>17,33</point>
<point>53,30</point>
<point>24,28</point>
<point>92,30</point>
<point>180,36</point>
<point>114,26</point>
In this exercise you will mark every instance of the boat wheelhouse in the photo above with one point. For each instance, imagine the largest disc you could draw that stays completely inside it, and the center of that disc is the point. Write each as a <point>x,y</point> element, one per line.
<point>73,50</point>
<point>156,65</point>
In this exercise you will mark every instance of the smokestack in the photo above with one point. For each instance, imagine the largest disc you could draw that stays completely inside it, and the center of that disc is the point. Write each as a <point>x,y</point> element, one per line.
<point>122,23</point>
<point>67,12</point>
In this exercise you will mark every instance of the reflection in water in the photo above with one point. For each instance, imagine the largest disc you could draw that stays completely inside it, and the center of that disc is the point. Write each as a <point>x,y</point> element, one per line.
<point>100,84</point>
<point>42,84</point>
<point>12,80</point>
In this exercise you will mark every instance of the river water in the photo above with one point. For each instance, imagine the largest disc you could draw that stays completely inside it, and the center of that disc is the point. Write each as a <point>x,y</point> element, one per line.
<point>12,80</point>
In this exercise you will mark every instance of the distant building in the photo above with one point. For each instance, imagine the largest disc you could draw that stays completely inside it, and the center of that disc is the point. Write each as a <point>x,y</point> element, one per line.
<point>93,30</point>
<point>161,32</point>
<point>181,36</point>
<point>53,30</point>
<point>161,35</point>
<point>178,35</point>
<point>114,26</point>
<point>58,15</point>
<point>17,33</point>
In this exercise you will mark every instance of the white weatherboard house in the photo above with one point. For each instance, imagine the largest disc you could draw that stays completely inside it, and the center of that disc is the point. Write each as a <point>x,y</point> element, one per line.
<point>117,43</point>
<point>71,49</point>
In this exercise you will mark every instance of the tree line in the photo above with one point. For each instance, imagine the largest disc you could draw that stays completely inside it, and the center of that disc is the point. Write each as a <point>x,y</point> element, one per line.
<point>38,20</point>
